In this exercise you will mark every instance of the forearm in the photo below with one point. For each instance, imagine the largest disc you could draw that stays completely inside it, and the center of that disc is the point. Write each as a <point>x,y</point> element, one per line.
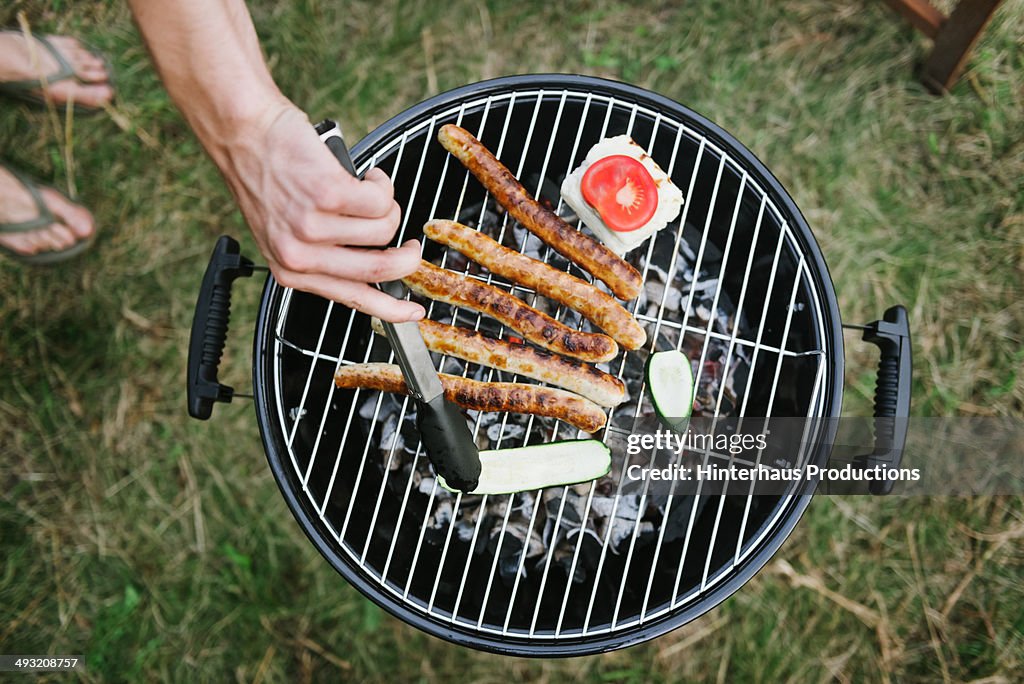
<point>209,59</point>
<point>311,219</point>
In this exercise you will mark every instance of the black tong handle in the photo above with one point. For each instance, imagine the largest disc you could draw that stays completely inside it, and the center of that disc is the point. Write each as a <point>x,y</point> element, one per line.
<point>337,146</point>
<point>446,437</point>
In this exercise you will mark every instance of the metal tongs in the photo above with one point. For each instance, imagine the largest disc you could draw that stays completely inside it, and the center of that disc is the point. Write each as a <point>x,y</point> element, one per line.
<point>443,430</point>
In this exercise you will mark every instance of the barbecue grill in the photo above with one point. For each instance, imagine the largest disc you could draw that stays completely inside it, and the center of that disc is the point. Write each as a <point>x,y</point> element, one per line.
<point>737,282</point>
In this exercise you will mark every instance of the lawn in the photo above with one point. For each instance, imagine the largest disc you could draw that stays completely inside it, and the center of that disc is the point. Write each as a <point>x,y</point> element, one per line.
<point>161,549</point>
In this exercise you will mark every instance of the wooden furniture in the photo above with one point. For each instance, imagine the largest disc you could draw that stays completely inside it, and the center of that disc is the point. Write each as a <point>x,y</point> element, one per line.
<point>954,36</point>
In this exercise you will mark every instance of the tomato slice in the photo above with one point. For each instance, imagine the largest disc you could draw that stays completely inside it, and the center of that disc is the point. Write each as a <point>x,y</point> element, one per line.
<point>622,191</point>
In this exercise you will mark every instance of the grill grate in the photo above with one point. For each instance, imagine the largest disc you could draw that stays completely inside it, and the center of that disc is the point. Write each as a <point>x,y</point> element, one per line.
<point>443,579</point>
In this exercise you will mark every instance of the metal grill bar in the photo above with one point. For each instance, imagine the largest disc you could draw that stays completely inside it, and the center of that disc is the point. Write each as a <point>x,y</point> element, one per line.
<point>558,314</point>
<point>494,565</point>
<point>700,367</point>
<point>625,465</point>
<point>729,357</point>
<point>575,149</point>
<point>391,451</point>
<point>405,402</point>
<point>558,519</point>
<point>705,463</point>
<point>366,357</point>
<point>327,402</point>
<point>402,509</point>
<point>816,395</point>
<point>737,340</point>
<point>771,402</point>
<point>455,313</point>
<point>593,485</point>
<point>522,559</point>
<point>309,376</point>
<point>748,187</point>
<point>491,372</point>
<point>704,349</point>
<point>700,364</point>
<point>412,469</point>
<point>327,496</point>
<point>548,556</point>
<point>538,496</point>
<point>661,308</point>
<point>768,412</point>
<point>444,551</point>
<point>693,509</point>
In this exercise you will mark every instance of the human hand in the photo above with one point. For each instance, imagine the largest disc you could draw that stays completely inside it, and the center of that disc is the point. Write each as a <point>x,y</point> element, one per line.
<point>313,220</point>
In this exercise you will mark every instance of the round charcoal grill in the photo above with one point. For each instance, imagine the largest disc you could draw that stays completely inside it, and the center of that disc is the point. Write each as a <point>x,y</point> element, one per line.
<point>737,282</point>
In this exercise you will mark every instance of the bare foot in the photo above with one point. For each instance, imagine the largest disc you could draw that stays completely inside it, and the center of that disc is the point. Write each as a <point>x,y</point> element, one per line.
<point>23,60</point>
<point>73,223</point>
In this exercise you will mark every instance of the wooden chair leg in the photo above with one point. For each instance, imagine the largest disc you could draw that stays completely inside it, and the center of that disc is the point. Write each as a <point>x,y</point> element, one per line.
<point>921,14</point>
<point>953,43</point>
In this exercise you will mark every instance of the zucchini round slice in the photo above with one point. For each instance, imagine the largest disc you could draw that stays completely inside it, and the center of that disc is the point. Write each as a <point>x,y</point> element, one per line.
<point>670,382</point>
<point>506,471</point>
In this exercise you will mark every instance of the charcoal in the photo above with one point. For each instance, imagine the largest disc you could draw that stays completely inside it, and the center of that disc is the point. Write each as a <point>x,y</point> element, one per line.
<point>509,432</point>
<point>527,243</point>
<point>442,513</point>
<point>390,438</point>
<point>464,529</point>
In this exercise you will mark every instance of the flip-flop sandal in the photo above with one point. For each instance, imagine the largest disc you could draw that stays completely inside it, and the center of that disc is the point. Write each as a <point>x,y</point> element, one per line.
<point>45,219</point>
<point>23,90</point>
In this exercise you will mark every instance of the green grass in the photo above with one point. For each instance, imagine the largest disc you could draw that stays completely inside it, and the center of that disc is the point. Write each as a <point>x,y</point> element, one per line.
<point>161,549</point>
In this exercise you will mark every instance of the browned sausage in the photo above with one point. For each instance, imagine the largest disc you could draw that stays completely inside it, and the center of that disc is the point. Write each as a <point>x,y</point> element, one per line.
<point>513,397</point>
<point>460,290</point>
<point>599,261</point>
<point>598,307</point>
<point>521,359</point>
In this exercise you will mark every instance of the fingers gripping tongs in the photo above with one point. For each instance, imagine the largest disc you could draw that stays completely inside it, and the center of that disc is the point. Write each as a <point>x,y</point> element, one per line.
<point>443,430</point>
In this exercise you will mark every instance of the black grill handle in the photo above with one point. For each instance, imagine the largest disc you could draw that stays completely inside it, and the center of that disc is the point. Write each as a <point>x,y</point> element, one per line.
<point>892,392</point>
<point>210,327</point>
<point>213,308</point>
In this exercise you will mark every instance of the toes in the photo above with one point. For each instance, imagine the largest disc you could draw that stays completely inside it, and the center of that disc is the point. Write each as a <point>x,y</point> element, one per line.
<point>68,46</point>
<point>86,63</point>
<point>76,217</point>
<point>73,223</point>
<point>88,67</point>
<point>54,238</point>
<point>61,237</point>
<point>93,75</point>
<point>90,95</point>
<point>20,243</point>
<point>96,95</point>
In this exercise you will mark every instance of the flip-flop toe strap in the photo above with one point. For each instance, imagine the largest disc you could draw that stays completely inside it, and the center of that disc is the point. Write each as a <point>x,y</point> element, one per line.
<point>45,218</point>
<point>64,69</point>
<point>42,220</point>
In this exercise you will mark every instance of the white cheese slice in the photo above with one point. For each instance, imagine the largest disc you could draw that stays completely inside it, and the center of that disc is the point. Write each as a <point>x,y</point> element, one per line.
<point>670,198</point>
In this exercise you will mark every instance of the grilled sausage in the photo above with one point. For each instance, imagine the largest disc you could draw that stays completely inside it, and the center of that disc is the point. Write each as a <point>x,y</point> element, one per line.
<point>598,307</point>
<point>513,397</point>
<point>460,290</point>
<point>602,263</point>
<point>583,379</point>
